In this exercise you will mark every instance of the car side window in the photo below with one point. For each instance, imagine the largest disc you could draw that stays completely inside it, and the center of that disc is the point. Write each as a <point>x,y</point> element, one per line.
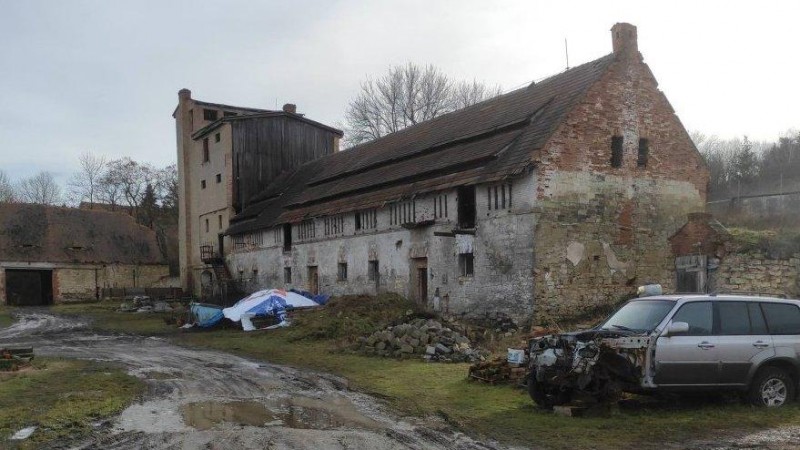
<point>757,323</point>
<point>699,317</point>
<point>733,318</point>
<point>782,318</point>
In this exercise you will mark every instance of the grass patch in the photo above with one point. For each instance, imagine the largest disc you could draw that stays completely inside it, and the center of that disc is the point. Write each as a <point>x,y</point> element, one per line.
<point>5,316</point>
<point>62,398</point>
<point>318,340</point>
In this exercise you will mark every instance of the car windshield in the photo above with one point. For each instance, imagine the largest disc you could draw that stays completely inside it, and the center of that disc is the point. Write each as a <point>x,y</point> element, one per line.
<point>639,315</point>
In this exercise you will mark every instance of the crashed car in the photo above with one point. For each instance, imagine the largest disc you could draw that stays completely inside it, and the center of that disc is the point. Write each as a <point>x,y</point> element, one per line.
<point>675,343</point>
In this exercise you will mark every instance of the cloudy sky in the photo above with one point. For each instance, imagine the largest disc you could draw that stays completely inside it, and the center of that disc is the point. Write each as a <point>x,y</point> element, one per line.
<point>103,75</point>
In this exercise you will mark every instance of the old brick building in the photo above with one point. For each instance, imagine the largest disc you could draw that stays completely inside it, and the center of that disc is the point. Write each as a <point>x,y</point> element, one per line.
<point>542,202</point>
<point>50,253</point>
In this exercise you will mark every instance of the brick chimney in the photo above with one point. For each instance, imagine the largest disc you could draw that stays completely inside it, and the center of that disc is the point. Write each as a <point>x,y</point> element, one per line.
<point>624,42</point>
<point>184,94</point>
<point>290,108</point>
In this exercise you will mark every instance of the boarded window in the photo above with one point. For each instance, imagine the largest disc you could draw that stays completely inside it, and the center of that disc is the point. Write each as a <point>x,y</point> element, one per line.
<point>644,149</point>
<point>334,225</point>
<point>209,114</point>
<point>341,274</point>
<point>616,151</point>
<point>205,150</point>
<point>466,264</point>
<point>287,275</point>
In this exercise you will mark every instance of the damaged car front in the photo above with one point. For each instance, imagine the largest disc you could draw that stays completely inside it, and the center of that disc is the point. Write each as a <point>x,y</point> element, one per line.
<point>613,357</point>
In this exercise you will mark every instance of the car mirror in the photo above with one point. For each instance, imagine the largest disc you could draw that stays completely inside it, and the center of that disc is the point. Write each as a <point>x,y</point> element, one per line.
<point>676,328</point>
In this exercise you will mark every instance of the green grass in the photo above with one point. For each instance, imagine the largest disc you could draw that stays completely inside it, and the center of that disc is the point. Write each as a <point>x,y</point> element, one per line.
<point>5,316</point>
<point>62,398</point>
<point>320,340</point>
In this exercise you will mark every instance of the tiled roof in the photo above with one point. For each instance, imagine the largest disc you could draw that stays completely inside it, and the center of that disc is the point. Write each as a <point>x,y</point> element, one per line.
<point>489,141</point>
<point>39,233</point>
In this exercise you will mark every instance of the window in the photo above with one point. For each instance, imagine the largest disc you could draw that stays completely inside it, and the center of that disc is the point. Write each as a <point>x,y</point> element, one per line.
<point>466,207</point>
<point>287,237</point>
<point>219,178</point>
<point>440,207</point>
<point>698,316</point>
<point>403,212</point>
<point>206,225</point>
<point>757,322</point>
<point>202,184</point>
<point>216,137</point>
<point>733,318</point>
<point>367,219</point>
<point>782,318</point>
<point>287,275</point>
<point>205,150</point>
<point>466,264</point>
<point>209,114</point>
<point>238,242</point>
<point>616,151</point>
<point>277,235</point>
<point>644,149</point>
<point>372,271</point>
<point>219,219</point>
<point>307,230</point>
<point>341,274</point>
<point>499,196</point>
<point>334,225</point>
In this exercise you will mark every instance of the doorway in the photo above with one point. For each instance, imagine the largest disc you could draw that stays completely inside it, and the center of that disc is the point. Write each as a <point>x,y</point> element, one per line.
<point>29,287</point>
<point>691,276</point>
<point>419,272</point>
<point>313,280</point>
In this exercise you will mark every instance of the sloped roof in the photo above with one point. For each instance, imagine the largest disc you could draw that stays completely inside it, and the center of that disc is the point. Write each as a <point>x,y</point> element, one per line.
<point>40,233</point>
<point>260,115</point>
<point>486,142</point>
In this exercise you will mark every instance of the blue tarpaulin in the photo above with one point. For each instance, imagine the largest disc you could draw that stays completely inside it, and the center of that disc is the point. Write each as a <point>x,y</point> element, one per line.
<point>206,315</point>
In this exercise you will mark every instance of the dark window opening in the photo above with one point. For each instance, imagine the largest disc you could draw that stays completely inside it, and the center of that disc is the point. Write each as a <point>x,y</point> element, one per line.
<point>287,237</point>
<point>202,184</point>
<point>616,151</point>
<point>372,271</point>
<point>287,275</point>
<point>216,137</point>
<point>206,225</point>
<point>466,264</point>
<point>205,150</point>
<point>644,149</point>
<point>466,207</point>
<point>209,114</point>
<point>219,178</point>
<point>341,274</point>
<point>219,219</point>
<point>358,221</point>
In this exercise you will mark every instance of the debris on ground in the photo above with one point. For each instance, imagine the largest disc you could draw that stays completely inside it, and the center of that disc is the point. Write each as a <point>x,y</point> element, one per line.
<point>498,371</point>
<point>421,338</point>
<point>23,434</point>
<point>144,304</point>
<point>13,359</point>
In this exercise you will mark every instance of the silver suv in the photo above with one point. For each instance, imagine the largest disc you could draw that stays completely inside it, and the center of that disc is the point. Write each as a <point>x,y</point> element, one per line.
<point>675,342</point>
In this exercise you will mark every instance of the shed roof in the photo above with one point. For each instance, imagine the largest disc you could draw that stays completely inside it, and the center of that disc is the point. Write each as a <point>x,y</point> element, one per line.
<point>486,142</point>
<point>261,115</point>
<point>41,233</point>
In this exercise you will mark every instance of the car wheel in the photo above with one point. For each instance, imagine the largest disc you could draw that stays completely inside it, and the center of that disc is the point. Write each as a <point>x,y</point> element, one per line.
<point>546,395</point>
<point>771,387</point>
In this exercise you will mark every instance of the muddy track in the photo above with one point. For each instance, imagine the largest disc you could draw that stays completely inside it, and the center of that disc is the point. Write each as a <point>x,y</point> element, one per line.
<point>214,400</point>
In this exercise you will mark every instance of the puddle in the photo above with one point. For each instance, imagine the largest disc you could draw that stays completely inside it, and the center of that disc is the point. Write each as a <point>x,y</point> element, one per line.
<point>294,412</point>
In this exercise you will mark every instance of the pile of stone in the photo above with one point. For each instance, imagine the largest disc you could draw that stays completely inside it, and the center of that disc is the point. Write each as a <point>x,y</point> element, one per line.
<point>421,338</point>
<point>498,371</point>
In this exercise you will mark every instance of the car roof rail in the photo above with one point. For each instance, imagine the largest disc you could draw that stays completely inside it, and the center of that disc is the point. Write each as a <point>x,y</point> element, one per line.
<point>752,294</point>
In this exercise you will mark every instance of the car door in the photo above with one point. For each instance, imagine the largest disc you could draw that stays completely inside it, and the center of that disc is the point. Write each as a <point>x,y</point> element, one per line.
<point>688,359</point>
<point>783,322</point>
<point>741,338</point>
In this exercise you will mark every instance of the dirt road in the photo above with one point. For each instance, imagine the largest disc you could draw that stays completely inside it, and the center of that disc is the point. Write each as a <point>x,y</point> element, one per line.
<point>213,400</point>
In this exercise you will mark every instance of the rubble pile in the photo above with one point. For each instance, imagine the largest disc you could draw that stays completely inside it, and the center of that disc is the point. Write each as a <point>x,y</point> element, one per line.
<point>144,304</point>
<point>12,359</point>
<point>498,371</point>
<point>421,338</point>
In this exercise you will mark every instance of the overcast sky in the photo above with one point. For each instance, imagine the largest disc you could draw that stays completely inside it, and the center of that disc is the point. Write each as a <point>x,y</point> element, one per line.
<point>103,76</point>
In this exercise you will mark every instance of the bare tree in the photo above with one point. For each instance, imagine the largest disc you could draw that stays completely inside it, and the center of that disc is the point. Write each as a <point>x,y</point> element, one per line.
<point>6,189</point>
<point>84,184</point>
<point>405,96</point>
<point>166,184</point>
<point>128,180</point>
<point>40,188</point>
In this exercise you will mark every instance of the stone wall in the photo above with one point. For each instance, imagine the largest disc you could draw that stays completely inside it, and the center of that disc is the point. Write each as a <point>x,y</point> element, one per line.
<point>759,274</point>
<point>604,230</point>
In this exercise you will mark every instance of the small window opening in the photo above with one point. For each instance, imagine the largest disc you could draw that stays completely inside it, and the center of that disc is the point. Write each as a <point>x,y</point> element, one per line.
<point>202,184</point>
<point>216,137</point>
<point>219,219</point>
<point>209,114</point>
<point>219,178</point>
<point>644,149</point>
<point>205,150</point>
<point>466,264</point>
<point>616,151</point>
<point>287,238</point>
<point>372,271</point>
<point>466,206</point>
<point>206,225</point>
<point>342,272</point>
<point>287,275</point>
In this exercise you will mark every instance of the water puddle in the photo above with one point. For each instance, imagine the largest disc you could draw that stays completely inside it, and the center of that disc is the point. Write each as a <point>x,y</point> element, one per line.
<point>294,412</point>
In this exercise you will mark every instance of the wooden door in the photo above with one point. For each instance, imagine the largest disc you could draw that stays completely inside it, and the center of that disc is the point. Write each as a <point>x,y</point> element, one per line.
<point>313,280</point>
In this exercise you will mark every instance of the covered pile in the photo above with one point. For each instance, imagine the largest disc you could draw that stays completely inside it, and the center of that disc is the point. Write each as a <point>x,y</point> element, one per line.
<point>421,338</point>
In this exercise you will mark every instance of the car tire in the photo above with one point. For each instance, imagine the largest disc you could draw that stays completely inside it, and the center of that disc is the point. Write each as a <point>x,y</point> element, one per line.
<point>547,396</point>
<point>771,387</point>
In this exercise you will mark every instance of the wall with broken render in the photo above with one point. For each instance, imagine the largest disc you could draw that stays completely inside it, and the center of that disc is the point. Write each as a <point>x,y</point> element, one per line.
<point>603,230</point>
<point>502,245</point>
